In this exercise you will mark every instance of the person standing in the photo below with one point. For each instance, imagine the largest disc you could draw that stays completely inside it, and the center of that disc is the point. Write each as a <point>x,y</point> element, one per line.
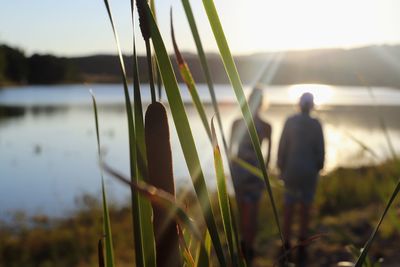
<point>300,159</point>
<point>249,187</point>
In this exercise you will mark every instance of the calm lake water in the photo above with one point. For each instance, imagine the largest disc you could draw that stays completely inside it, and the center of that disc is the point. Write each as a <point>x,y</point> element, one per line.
<point>48,144</point>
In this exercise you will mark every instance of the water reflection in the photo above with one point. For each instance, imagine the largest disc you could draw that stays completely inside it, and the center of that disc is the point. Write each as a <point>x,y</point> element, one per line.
<point>11,112</point>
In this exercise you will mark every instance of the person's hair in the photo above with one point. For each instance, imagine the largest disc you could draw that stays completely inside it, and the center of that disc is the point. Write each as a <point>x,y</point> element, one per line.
<point>255,100</point>
<point>306,102</point>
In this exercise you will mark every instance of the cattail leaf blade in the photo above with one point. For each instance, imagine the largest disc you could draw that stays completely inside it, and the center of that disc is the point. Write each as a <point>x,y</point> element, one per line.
<point>205,68</point>
<point>189,81</point>
<point>185,136</point>
<point>236,83</point>
<point>202,256</point>
<point>185,249</point>
<point>106,215</point>
<point>255,171</point>
<point>224,202</point>
<point>178,54</point>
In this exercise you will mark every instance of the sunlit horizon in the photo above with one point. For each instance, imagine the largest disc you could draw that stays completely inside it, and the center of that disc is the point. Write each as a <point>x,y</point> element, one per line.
<point>322,93</point>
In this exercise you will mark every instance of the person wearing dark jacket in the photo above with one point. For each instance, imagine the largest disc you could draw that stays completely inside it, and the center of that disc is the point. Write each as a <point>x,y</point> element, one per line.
<point>300,159</point>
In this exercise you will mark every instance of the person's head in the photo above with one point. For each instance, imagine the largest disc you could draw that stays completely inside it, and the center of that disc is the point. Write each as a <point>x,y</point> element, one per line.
<point>306,102</point>
<point>255,100</point>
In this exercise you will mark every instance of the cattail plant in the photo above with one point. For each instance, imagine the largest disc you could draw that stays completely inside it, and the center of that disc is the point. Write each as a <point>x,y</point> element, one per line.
<point>159,160</point>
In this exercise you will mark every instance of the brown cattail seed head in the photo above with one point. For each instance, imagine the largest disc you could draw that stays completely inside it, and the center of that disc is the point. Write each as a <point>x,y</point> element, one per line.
<point>144,24</point>
<point>159,159</point>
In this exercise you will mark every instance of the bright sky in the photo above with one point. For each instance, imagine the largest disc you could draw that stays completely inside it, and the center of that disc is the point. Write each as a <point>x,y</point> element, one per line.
<point>80,27</point>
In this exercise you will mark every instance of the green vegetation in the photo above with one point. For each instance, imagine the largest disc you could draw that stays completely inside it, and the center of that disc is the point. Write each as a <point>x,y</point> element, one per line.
<point>2,65</point>
<point>72,241</point>
<point>342,221</point>
<point>15,64</point>
<point>16,68</point>
<point>47,69</point>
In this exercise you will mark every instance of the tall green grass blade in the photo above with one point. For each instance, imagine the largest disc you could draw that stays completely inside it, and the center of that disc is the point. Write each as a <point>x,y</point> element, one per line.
<point>368,244</point>
<point>150,71</point>
<point>234,78</point>
<point>224,202</point>
<point>202,256</point>
<point>185,135</point>
<point>188,78</point>
<point>141,214</point>
<point>106,216</point>
<point>163,200</point>
<point>206,70</point>
<point>157,77</point>
<point>188,259</point>
<point>107,229</point>
<point>138,108</point>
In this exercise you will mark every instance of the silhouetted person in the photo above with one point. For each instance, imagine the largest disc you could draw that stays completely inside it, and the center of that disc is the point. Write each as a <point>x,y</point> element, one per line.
<point>248,187</point>
<point>300,158</point>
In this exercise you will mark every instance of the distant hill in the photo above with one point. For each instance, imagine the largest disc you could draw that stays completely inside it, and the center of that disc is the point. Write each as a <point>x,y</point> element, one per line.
<point>378,65</point>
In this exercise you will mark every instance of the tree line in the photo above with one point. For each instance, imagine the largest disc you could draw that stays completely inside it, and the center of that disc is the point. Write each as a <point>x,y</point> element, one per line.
<point>17,68</point>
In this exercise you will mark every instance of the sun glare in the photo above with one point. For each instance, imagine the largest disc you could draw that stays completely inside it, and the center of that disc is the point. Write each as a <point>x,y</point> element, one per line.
<point>308,24</point>
<point>322,93</point>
